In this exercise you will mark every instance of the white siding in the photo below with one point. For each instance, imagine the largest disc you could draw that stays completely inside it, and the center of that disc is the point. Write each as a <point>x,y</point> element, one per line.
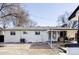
<point>29,37</point>
<point>11,38</point>
<point>1,33</point>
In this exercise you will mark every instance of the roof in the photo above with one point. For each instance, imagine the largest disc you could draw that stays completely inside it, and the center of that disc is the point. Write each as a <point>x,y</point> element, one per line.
<point>27,28</point>
<point>37,28</point>
<point>64,25</point>
<point>74,13</point>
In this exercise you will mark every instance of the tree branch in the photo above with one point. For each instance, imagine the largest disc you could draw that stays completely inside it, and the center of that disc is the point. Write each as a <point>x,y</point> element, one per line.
<point>11,14</point>
<point>2,6</point>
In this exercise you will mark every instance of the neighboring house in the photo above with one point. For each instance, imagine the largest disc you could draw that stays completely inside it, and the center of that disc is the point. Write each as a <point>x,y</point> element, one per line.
<point>74,25</point>
<point>74,17</point>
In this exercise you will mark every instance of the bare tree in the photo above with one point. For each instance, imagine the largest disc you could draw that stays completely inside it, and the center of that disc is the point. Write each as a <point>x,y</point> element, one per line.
<point>31,23</point>
<point>63,21</point>
<point>13,13</point>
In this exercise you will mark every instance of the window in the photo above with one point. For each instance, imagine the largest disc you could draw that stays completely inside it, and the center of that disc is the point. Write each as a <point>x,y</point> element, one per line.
<point>37,33</point>
<point>12,33</point>
<point>24,32</point>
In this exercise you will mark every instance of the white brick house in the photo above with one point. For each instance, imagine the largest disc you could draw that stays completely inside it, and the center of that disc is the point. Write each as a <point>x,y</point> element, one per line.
<point>29,34</point>
<point>34,34</point>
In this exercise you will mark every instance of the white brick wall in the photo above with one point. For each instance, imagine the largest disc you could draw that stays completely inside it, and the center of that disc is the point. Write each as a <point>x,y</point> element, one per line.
<point>30,36</point>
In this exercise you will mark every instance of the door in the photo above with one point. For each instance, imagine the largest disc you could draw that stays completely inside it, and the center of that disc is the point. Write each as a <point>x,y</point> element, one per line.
<point>77,36</point>
<point>1,38</point>
<point>22,40</point>
<point>63,36</point>
<point>49,36</point>
<point>63,33</point>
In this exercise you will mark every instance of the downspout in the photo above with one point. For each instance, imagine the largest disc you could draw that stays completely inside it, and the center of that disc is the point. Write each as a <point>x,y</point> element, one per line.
<point>20,35</point>
<point>51,38</point>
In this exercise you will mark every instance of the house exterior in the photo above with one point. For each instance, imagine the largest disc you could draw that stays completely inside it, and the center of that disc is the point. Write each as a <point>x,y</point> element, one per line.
<point>31,34</point>
<point>39,34</point>
<point>34,34</point>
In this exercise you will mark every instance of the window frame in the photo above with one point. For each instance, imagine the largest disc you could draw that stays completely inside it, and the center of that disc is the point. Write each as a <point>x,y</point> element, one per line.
<point>24,32</point>
<point>12,33</point>
<point>37,32</point>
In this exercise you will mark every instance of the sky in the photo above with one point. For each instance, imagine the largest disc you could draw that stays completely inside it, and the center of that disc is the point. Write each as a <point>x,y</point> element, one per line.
<point>46,14</point>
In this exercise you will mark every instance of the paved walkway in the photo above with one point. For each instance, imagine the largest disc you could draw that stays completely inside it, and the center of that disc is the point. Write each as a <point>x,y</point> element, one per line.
<point>26,49</point>
<point>40,46</point>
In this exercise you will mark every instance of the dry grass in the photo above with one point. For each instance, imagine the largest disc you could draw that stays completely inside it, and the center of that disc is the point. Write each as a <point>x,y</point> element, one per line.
<point>24,49</point>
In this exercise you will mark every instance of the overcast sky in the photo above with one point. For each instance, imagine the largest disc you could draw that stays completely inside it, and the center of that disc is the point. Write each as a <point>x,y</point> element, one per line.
<point>47,14</point>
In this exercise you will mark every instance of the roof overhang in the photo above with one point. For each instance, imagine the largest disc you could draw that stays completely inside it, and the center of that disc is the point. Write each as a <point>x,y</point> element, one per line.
<point>74,13</point>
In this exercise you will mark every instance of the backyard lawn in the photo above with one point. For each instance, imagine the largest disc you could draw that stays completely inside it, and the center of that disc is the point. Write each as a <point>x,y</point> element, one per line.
<point>27,49</point>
